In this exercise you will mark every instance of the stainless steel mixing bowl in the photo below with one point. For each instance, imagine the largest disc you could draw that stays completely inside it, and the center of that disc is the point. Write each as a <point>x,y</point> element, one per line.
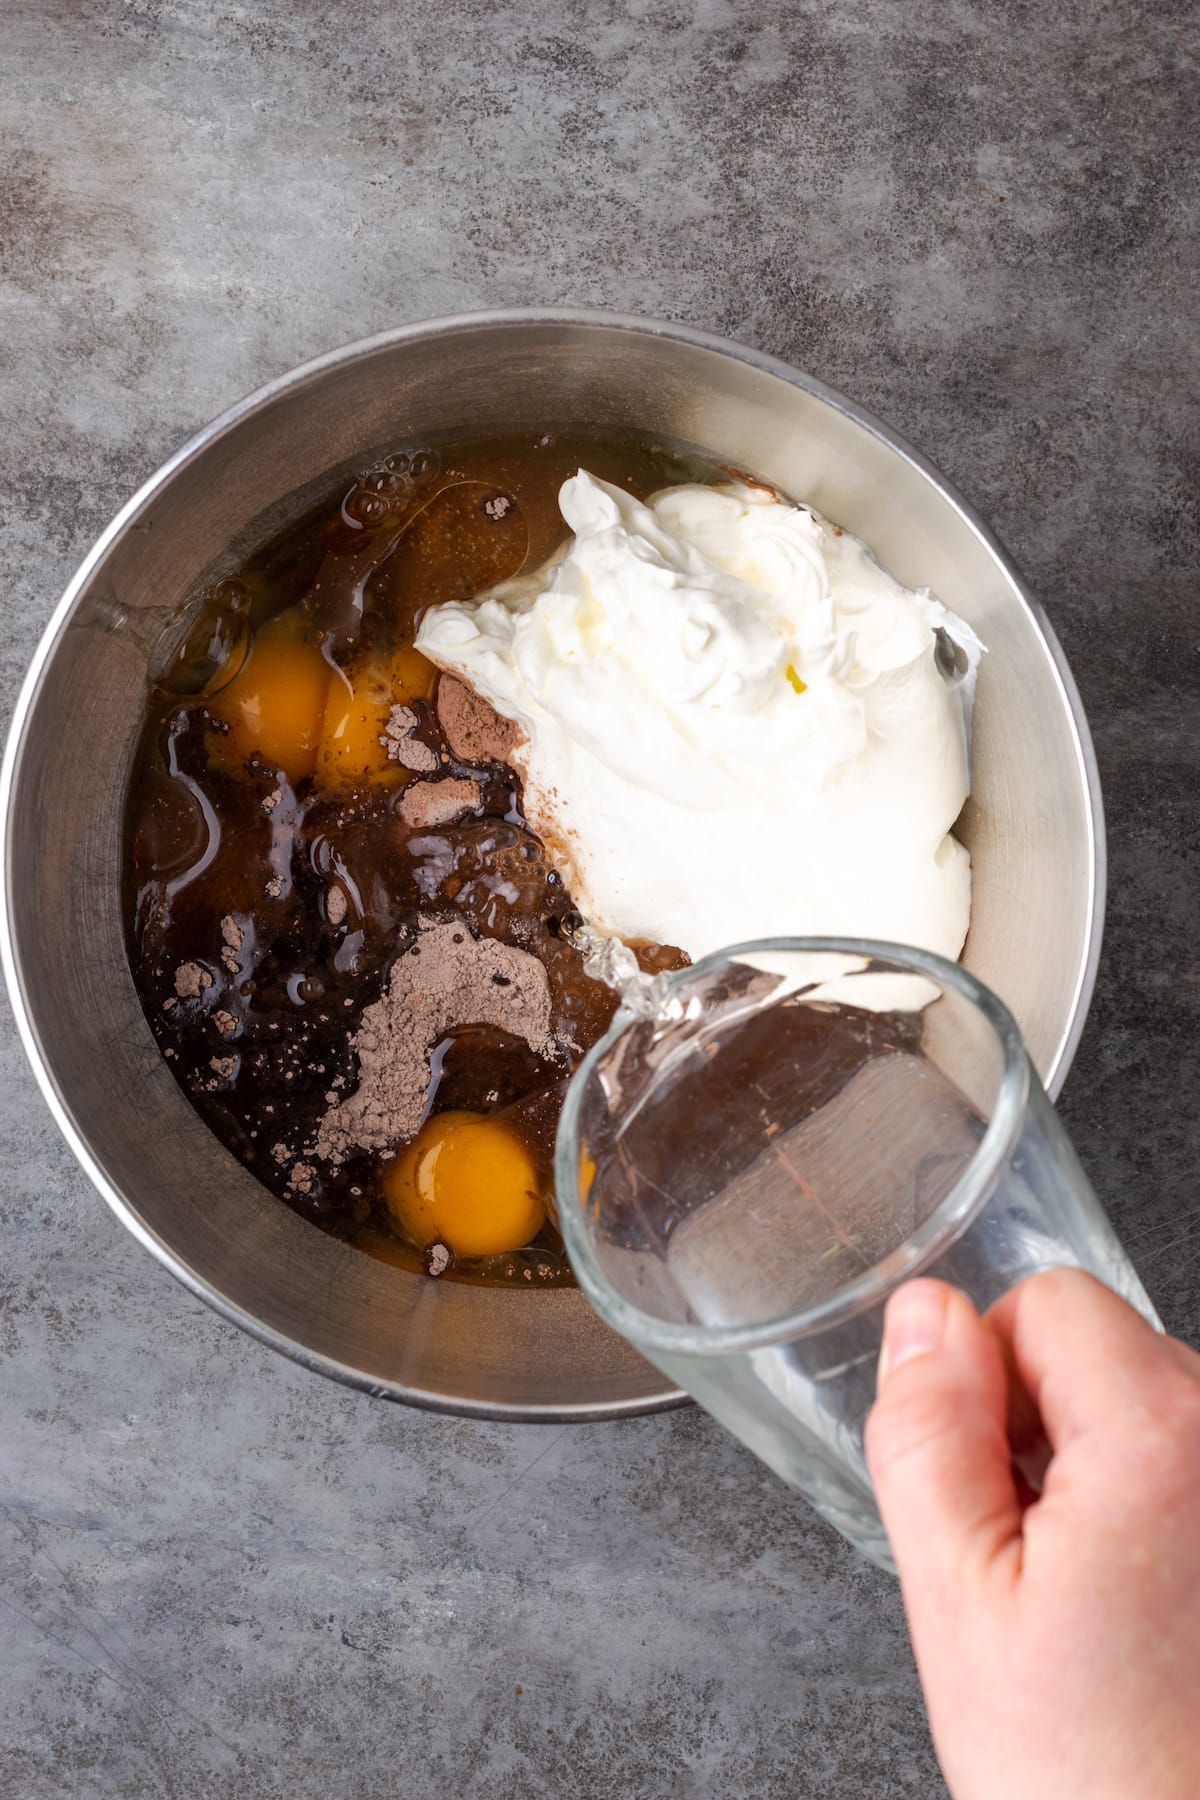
<point>1034,825</point>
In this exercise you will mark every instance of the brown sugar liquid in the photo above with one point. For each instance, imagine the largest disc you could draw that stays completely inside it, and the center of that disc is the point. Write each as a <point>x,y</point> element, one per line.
<point>271,879</point>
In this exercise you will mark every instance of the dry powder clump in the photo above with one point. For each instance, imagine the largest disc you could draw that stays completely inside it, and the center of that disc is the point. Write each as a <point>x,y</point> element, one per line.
<point>403,746</point>
<point>191,980</point>
<point>427,804</point>
<point>233,938</point>
<point>445,980</point>
<point>472,727</point>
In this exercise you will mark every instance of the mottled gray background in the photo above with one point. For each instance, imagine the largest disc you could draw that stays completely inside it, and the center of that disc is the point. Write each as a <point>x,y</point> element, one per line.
<point>222,1576</point>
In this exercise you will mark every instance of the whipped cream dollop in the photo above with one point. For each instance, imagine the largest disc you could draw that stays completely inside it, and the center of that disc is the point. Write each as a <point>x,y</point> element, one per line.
<point>737,725</point>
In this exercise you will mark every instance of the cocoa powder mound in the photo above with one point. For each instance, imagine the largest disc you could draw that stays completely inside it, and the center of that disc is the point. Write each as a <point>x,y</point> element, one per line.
<point>430,803</point>
<point>472,727</point>
<point>445,980</point>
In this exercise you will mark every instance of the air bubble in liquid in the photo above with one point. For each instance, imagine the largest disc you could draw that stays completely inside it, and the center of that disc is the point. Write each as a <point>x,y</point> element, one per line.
<point>213,651</point>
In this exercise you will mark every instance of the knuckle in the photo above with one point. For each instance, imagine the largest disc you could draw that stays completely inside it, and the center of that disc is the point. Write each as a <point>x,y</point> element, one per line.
<point>1150,1470</point>
<point>1168,1451</point>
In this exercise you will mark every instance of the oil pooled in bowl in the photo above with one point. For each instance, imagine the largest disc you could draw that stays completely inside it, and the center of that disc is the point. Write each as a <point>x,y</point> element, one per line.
<point>322,834</point>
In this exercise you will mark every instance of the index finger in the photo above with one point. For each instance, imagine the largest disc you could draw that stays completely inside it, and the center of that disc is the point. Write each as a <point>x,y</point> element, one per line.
<point>1079,1356</point>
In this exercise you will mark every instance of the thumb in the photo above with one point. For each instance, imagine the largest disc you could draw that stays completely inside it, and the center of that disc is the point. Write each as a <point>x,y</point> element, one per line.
<point>937,1447</point>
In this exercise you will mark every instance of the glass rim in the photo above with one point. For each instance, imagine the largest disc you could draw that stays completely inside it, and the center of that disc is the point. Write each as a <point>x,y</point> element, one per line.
<point>956,1209</point>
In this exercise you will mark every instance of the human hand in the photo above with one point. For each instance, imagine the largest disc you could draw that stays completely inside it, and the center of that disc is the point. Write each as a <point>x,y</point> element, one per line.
<point>1057,1635</point>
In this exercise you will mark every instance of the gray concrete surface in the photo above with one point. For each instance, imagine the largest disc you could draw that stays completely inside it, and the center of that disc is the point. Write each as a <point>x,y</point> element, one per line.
<point>221,1576</point>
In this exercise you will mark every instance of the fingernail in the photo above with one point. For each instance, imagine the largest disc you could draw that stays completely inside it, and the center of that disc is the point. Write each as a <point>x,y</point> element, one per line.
<point>913,1325</point>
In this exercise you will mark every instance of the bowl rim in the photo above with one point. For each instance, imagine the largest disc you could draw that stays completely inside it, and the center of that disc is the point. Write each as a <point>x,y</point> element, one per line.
<point>260,398</point>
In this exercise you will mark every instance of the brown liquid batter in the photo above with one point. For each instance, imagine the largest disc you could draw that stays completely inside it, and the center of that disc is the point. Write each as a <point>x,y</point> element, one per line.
<point>278,874</point>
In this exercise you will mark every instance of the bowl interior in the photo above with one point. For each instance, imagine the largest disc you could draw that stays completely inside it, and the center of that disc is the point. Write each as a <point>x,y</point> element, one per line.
<point>1032,824</point>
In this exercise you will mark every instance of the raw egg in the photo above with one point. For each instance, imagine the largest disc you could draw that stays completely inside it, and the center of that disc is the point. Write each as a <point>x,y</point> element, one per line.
<point>413,675</point>
<point>467,1181</point>
<point>275,704</point>
<point>352,748</point>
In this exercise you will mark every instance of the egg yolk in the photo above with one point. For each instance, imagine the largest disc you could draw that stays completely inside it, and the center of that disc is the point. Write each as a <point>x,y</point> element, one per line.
<point>467,1181</point>
<point>275,704</point>
<point>352,747</point>
<point>413,676</point>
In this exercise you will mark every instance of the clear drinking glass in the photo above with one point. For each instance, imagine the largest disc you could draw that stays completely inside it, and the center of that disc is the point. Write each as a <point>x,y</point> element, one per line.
<point>750,1163</point>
